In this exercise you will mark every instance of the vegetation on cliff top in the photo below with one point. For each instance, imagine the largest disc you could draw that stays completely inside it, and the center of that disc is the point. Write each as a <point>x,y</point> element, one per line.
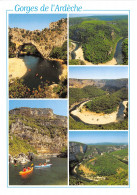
<point>60,52</point>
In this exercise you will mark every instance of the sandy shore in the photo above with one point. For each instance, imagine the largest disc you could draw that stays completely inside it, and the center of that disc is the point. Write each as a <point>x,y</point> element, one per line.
<point>17,68</point>
<point>80,56</point>
<point>95,118</point>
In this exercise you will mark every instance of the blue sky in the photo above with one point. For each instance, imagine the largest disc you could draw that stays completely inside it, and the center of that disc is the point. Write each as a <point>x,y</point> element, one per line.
<point>33,21</point>
<point>98,14</point>
<point>101,72</point>
<point>59,106</point>
<point>99,136</point>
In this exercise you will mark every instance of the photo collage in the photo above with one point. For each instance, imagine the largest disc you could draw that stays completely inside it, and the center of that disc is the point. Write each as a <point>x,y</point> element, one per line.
<point>68,88</point>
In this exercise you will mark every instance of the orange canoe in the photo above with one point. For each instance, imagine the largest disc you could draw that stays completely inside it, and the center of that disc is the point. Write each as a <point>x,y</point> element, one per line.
<point>26,172</point>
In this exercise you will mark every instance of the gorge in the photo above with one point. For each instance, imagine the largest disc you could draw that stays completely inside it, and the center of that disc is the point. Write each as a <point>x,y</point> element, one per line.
<point>39,131</point>
<point>38,60</point>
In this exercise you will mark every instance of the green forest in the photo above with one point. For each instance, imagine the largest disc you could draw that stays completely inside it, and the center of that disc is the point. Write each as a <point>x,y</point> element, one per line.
<point>60,52</point>
<point>125,51</point>
<point>107,103</point>
<point>106,165</point>
<point>79,94</point>
<point>98,37</point>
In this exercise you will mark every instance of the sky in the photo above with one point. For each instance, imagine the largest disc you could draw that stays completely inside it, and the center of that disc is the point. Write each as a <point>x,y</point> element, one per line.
<point>59,106</point>
<point>98,136</point>
<point>101,72</point>
<point>33,21</point>
<point>99,14</point>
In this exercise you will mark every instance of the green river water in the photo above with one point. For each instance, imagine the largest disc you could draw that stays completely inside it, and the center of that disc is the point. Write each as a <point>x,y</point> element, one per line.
<point>54,175</point>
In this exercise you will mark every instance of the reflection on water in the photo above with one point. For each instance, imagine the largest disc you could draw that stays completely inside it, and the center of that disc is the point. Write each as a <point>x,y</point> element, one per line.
<point>40,70</point>
<point>54,175</point>
<point>120,114</point>
<point>118,53</point>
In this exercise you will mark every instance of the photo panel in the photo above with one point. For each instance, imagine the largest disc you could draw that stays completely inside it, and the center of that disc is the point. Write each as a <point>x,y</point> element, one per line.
<point>98,38</point>
<point>98,98</point>
<point>98,158</point>
<point>38,142</point>
<point>37,53</point>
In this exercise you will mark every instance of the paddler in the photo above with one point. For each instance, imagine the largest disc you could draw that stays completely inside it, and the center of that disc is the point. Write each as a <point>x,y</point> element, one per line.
<point>24,169</point>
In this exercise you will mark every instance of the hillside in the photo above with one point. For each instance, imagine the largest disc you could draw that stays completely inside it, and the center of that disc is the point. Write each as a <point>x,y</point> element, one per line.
<point>41,130</point>
<point>108,103</point>
<point>101,83</point>
<point>78,94</point>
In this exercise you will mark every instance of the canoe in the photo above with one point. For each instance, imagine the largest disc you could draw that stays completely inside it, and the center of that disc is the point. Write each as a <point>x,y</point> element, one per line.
<point>42,166</point>
<point>26,172</point>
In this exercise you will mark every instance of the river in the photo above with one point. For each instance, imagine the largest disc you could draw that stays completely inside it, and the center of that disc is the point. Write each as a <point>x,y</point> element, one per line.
<point>54,175</point>
<point>40,70</point>
<point>118,52</point>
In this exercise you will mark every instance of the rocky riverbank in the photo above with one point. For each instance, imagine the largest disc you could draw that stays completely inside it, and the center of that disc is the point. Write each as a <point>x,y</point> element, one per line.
<point>19,159</point>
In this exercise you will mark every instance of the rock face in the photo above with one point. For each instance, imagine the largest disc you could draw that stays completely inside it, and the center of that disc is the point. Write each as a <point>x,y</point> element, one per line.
<point>40,127</point>
<point>21,158</point>
<point>44,40</point>
<point>47,112</point>
<point>76,148</point>
<point>80,83</point>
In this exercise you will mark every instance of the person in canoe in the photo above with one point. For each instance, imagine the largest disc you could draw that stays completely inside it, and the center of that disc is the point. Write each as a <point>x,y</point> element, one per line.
<point>45,164</point>
<point>24,169</point>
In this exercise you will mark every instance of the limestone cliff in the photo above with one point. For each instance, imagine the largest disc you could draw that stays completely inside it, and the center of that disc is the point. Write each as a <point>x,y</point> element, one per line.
<point>40,127</point>
<point>76,148</point>
<point>44,40</point>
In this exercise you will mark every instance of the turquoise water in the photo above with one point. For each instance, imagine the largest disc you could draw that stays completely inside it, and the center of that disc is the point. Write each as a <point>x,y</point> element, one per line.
<point>54,175</point>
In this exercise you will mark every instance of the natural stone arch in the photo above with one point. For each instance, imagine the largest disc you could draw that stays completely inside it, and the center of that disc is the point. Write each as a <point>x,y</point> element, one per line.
<point>20,47</point>
<point>44,40</point>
